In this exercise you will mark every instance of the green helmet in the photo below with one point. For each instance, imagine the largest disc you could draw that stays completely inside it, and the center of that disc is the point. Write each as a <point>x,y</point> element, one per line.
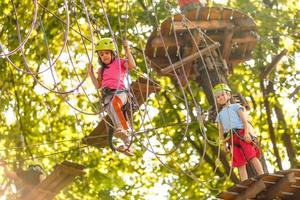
<point>221,87</point>
<point>105,44</point>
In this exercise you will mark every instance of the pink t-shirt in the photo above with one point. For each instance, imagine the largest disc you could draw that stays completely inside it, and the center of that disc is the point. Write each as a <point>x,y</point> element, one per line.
<point>114,74</point>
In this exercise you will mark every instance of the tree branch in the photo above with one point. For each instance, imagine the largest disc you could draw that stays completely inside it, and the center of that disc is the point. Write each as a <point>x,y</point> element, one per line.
<point>272,65</point>
<point>297,89</point>
<point>143,5</point>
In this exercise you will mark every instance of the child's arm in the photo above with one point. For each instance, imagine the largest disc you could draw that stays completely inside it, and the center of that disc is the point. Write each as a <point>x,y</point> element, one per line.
<point>221,135</point>
<point>243,117</point>
<point>131,62</point>
<point>96,81</point>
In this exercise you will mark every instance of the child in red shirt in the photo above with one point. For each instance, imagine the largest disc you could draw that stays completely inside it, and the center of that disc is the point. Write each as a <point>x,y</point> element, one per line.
<point>110,78</point>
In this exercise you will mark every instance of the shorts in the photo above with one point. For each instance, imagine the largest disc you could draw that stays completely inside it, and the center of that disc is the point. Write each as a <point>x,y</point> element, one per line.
<point>243,151</point>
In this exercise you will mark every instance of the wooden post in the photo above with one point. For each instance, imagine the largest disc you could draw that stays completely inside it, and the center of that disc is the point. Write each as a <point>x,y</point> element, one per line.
<point>270,123</point>
<point>187,68</point>
<point>227,41</point>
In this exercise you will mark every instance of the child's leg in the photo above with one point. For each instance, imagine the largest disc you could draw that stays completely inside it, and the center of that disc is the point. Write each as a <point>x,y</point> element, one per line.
<point>251,153</point>
<point>115,107</point>
<point>238,158</point>
<point>116,113</point>
<point>243,172</point>
<point>257,165</point>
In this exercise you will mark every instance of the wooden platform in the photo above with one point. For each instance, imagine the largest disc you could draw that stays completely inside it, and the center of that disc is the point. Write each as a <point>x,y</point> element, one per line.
<point>62,176</point>
<point>141,89</point>
<point>232,29</point>
<point>283,185</point>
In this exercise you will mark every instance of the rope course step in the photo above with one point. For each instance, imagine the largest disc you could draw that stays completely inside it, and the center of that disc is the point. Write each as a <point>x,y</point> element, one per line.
<point>61,177</point>
<point>283,185</point>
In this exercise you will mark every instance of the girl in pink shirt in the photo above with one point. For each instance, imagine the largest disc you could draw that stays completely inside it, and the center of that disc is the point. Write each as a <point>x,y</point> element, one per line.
<point>110,78</point>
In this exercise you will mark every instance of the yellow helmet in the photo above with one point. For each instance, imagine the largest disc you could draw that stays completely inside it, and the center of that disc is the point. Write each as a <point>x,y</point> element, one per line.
<point>105,44</point>
<point>220,87</point>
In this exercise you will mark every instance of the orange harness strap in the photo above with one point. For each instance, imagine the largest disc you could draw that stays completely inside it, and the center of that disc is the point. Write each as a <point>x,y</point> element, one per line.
<point>117,105</point>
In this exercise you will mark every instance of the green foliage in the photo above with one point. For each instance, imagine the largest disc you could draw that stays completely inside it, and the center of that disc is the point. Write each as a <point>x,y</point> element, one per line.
<point>40,124</point>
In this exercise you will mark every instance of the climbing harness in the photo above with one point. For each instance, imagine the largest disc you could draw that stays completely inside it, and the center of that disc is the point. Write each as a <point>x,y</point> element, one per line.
<point>254,140</point>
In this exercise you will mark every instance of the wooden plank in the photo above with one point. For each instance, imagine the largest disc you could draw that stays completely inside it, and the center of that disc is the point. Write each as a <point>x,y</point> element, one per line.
<point>64,183</point>
<point>247,39</point>
<point>252,191</point>
<point>295,196</point>
<point>215,13</point>
<point>55,189</point>
<point>61,173</point>
<point>237,60</point>
<point>46,189</point>
<point>99,136</point>
<point>275,190</point>
<point>240,188</point>
<point>43,186</point>
<point>73,165</point>
<point>41,193</point>
<point>236,38</point>
<point>203,13</point>
<point>237,15</point>
<point>245,24</point>
<point>190,58</point>
<point>166,41</point>
<point>226,14</point>
<point>205,25</point>
<point>282,185</point>
<point>228,195</point>
<point>63,169</point>
<point>165,26</point>
<point>227,41</point>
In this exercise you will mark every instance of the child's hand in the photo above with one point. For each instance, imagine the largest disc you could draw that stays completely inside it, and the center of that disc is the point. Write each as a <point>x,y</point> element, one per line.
<point>90,68</point>
<point>125,44</point>
<point>247,138</point>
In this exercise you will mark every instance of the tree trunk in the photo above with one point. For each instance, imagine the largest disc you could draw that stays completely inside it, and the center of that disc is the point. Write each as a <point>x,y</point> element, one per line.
<point>286,138</point>
<point>270,124</point>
